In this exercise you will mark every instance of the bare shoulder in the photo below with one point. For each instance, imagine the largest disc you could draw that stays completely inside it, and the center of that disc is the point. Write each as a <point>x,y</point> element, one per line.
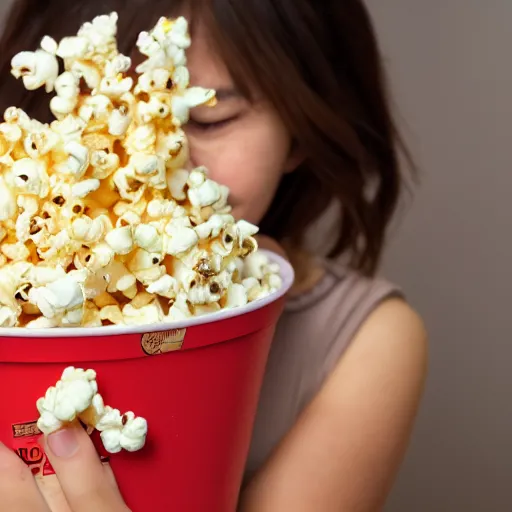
<point>393,325</point>
<point>346,447</point>
<point>390,349</point>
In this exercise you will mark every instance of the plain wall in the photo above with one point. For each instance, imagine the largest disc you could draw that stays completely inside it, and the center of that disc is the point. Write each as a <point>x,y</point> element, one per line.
<point>450,64</point>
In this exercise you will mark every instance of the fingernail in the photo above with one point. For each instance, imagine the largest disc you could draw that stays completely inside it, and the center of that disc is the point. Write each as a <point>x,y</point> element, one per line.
<point>63,443</point>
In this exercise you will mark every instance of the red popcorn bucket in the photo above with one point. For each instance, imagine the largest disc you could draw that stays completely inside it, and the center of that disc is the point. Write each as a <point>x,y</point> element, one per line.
<point>196,382</point>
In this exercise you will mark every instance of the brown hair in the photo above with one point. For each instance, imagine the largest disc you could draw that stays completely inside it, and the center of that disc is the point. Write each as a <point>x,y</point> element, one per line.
<point>317,61</point>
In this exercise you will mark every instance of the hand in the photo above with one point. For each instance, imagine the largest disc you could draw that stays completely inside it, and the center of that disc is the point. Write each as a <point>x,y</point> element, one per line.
<point>86,484</point>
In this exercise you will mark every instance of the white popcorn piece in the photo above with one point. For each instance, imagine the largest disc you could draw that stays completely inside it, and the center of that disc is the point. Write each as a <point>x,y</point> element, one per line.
<point>76,397</point>
<point>214,226</point>
<point>180,310</point>
<point>63,299</point>
<point>122,432</point>
<point>67,89</point>
<point>72,395</point>
<point>202,294</point>
<point>16,251</point>
<point>161,208</point>
<point>119,64</point>
<point>11,132</point>
<point>84,188</point>
<point>119,278</point>
<point>119,122</point>
<point>30,177</point>
<point>206,194</point>
<point>154,80</point>
<point>174,148</point>
<point>104,164</point>
<point>36,69</point>
<point>90,74</point>
<point>148,238</point>
<point>87,230</point>
<point>96,108</point>
<point>146,315</point>
<point>255,266</point>
<point>8,206</point>
<point>69,129</point>
<point>92,317</point>
<point>112,314</point>
<point>149,275</point>
<point>78,160</point>
<point>143,260</point>
<point>41,276</point>
<point>42,323</point>
<point>120,240</point>
<point>206,309</point>
<point>73,48</point>
<point>180,240</point>
<point>189,99</point>
<point>246,229</point>
<point>115,87</point>
<point>101,32</point>
<point>8,317</point>
<point>151,168</point>
<point>131,187</point>
<point>236,296</point>
<point>142,140</point>
<point>177,181</point>
<point>166,286</point>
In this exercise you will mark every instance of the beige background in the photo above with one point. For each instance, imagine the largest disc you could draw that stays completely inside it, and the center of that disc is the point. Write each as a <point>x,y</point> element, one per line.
<point>451,67</point>
<point>452,71</point>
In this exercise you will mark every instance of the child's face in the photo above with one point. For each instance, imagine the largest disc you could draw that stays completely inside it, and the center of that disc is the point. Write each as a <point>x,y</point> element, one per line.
<point>245,146</point>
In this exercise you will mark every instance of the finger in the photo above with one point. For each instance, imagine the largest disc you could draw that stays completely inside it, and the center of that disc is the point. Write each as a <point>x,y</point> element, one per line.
<point>85,482</point>
<point>18,490</point>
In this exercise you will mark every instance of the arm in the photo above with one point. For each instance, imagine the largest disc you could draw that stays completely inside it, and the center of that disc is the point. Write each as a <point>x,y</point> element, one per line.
<point>345,450</point>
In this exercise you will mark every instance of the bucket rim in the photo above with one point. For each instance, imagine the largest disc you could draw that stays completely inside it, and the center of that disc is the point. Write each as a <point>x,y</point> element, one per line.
<point>286,273</point>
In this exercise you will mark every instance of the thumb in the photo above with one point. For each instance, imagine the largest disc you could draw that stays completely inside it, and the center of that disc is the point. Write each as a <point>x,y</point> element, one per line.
<point>86,483</point>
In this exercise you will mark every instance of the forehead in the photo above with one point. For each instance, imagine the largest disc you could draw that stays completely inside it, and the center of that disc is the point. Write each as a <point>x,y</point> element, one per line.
<point>206,67</point>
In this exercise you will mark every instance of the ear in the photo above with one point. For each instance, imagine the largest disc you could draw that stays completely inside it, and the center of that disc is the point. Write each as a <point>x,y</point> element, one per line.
<point>295,158</point>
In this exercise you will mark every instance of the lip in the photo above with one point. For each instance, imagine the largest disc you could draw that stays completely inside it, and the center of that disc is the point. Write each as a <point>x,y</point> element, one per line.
<point>287,276</point>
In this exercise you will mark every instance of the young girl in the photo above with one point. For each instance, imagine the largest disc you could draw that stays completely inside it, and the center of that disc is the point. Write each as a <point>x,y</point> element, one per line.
<point>303,123</point>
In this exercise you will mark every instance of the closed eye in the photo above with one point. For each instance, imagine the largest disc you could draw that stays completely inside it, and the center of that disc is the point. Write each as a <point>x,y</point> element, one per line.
<point>210,126</point>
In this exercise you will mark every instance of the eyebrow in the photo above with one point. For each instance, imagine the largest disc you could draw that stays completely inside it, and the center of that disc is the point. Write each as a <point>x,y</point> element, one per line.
<point>228,93</point>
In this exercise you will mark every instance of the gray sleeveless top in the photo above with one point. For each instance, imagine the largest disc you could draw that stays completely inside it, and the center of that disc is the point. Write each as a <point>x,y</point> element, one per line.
<point>312,335</point>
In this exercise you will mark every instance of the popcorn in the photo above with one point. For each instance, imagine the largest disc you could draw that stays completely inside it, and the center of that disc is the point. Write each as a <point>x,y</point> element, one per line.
<point>236,296</point>
<point>8,205</point>
<point>63,298</point>
<point>120,240</point>
<point>36,69</point>
<point>146,315</point>
<point>84,188</point>
<point>148,238</point>
<point>67,88</point>
<point>101,220</point>
<point>71,396</point>
<point>76,397</point>
<point>119,122</point>
<point>166,286</point>
<point>180,240</point>
<point>78,160</point>
<point>122,432</point>
<point>30,177</point>
<point>176,182</point>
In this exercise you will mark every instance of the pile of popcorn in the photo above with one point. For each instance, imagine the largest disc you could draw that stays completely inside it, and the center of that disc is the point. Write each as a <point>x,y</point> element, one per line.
<point>100,221</point>
<point>75,397</point>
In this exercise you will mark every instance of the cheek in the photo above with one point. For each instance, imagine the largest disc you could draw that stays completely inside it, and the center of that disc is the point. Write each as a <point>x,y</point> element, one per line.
<point>249,162</point>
